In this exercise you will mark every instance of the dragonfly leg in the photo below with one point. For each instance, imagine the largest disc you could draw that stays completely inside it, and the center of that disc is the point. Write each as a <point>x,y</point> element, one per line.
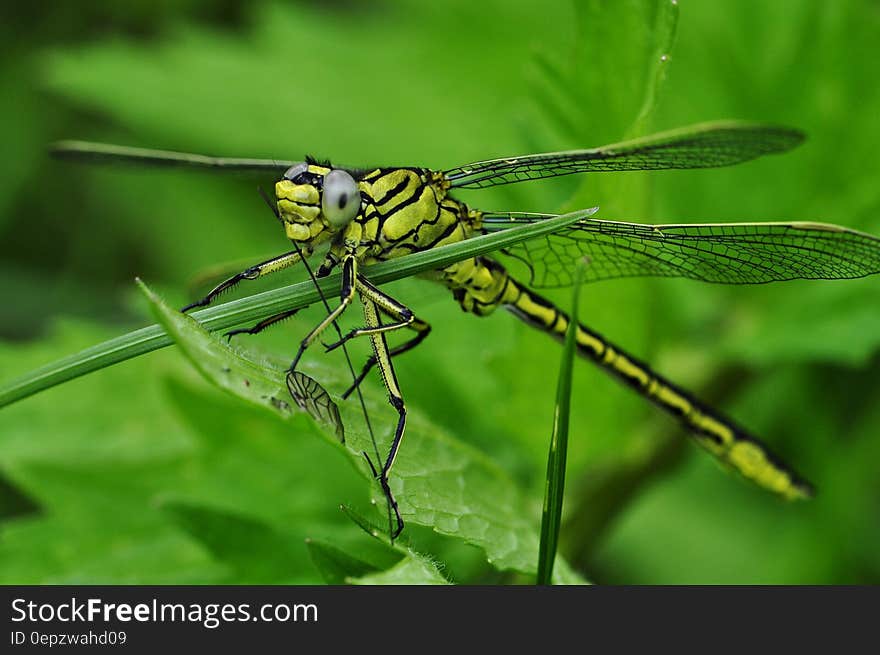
<point>386,489</point>
<point>265,323</point>
<point>422,328</point>
<point>402,315</point>
<point>395,398</point>
<point>383,481</point>
<point>389,377</point>
<point>346,295</point>
<point>258,270</point>
<point>398,312</point>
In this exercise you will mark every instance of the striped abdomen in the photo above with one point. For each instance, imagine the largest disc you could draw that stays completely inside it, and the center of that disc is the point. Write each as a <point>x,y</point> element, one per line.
<point>720,436</point>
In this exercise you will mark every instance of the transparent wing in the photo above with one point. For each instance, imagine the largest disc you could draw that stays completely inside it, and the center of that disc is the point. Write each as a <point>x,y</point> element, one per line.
<point>700,146</point>
<point>313,399</point>
<point>734,253</point>
<point>104,153</point>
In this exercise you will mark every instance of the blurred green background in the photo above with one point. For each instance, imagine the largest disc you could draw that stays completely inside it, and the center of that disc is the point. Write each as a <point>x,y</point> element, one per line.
<point>144,473</point>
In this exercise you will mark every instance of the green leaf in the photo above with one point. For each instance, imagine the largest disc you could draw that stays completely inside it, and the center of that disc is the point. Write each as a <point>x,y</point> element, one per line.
<point>98,527</point>
<point>409,571</point>
<point>103,456</point>
<point>253,551</point>
<point>409,567</point>
<point>335,565</point>
<point>438,481</point>
<point>15,503</point>
<point>219,363</point>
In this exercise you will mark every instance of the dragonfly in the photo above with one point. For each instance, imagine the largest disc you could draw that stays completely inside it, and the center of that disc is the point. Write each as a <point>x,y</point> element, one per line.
<point>361,216</point>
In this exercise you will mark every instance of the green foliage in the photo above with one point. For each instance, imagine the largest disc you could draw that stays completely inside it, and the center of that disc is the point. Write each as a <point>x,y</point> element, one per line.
<point>144,472</point>
<point>439,482</point>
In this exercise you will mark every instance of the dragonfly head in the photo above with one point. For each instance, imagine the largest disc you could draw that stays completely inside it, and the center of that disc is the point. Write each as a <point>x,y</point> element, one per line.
<point>316,201</point>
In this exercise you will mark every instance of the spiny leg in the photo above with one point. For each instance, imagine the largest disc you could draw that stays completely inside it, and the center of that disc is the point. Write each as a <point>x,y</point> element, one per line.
<point>346,295</point>
<point>386,369</point>
<point>402,314</point>
<point>398,312</point>
<point>259,270</point>
<point>265,323</point>
<point>383,359</point>
<point>311,397</point>
<point>422,328</point>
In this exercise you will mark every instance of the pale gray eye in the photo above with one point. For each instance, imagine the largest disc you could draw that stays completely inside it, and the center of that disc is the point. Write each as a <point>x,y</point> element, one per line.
<point>295,170</point>
<point>341,199</point>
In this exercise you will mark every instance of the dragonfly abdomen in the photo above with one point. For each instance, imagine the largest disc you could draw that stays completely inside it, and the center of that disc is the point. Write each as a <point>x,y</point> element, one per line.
<point>717,434</point>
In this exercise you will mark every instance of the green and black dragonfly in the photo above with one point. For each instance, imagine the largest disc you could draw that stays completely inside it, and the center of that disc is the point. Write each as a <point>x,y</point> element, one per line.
<point>362,216</point>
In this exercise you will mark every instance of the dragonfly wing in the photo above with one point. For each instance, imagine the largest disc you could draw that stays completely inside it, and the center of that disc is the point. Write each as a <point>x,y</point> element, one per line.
<point>734,253</point>
<point>708,145</point>
<point>104,153</point>
<point>313,399</point>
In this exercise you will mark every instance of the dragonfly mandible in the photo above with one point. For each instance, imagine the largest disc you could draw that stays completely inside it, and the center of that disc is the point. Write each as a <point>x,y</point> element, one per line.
<point>363,216</point>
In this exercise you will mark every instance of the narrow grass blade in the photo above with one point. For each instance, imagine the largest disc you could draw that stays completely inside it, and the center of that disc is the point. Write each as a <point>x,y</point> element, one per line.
<point>553,494</point>
<point>665,28</point>
<point>259,306</point>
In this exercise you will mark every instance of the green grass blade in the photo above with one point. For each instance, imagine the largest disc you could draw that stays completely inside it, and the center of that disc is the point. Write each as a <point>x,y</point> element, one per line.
<point>552,515</point>
<point>665,28</point>
<point>256,307</point>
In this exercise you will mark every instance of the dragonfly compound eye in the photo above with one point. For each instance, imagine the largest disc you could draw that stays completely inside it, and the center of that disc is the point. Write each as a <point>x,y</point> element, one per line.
<point>341,199</point>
